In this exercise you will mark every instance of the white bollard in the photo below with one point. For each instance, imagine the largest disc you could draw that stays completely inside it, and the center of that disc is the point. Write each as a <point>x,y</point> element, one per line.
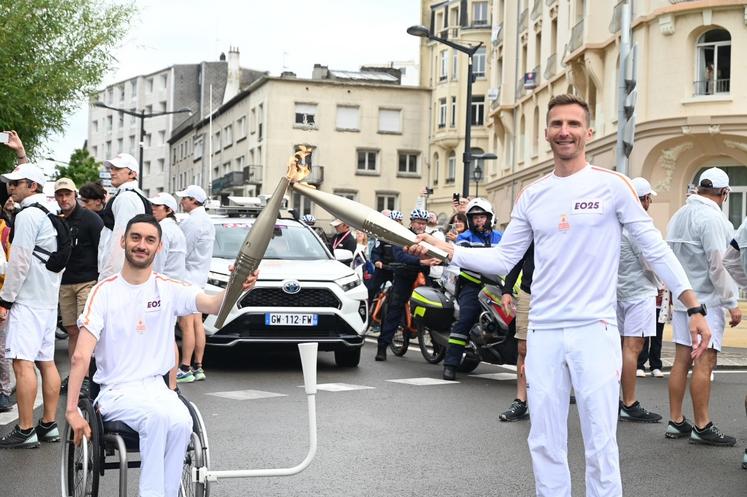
<point>308,353</point>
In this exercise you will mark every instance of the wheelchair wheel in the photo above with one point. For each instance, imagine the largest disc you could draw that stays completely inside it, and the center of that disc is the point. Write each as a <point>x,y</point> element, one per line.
<point>192,459</point>
<point>199,428</point>
<point>432,351</point>
<point>401,338</point>
<point>80,465</point>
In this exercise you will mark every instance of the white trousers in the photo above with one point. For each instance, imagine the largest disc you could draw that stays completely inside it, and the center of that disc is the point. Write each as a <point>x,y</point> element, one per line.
<point>589,359</point>
<point>164,425</point>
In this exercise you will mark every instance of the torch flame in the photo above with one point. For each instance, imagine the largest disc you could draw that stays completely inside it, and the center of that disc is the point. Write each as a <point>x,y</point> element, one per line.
<point>297,167</point>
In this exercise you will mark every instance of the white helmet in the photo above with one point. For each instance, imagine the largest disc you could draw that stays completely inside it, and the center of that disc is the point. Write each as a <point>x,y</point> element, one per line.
<point>480,206</point>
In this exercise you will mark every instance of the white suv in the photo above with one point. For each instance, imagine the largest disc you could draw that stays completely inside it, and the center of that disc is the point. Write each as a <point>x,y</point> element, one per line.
<point>303,294</point>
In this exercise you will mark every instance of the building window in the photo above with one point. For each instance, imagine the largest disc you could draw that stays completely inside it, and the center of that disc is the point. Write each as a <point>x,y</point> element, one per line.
<point>386,201</point>
<point>161,165</point>
<point>150,85</point>
<point>454,65</point>
<point>348,194</point>
<point>95,151</point>
<point>197,150</point>
<point>714,63</point>
<point>120,120</point>
<point>148,139</point>
<point>442,113</point>
<point>132,144</point>
<point>164,80</point>
<point>146,167</point>
<point>436,168</point>
<point>108,148</point>
<point>95,126</point>
<point>302,204</point>
<point>452,123</point>
<point>149,109</point>
<point>444,66</point>
<point>479,13</point>
<point>216,142</point>
<point>451,168</point>
<point>348,118</point>
<point>133,119</point>
<point>260,122</point>
<point>109,121</point>
<point>478,110</point>
<point>227,136</point>
<point>367,161</point>
<point>133,88</point>
<point>226,167</point>
<point>478,63</point>
<point>408,163</point>
<point>390,121</point>
<point>162,137</point>
<point>522,139</point>
<point>305,114</point>
<point>239,163</point>
<point>241,127</point>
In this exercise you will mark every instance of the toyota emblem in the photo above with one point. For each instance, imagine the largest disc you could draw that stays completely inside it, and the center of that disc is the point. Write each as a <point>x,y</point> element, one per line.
<point>291,287</point>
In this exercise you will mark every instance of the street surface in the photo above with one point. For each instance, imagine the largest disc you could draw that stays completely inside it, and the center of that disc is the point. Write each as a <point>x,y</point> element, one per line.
<point>383,434</point>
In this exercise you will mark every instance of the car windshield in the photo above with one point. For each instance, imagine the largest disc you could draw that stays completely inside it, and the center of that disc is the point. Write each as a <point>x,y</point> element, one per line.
<point>288,242</point>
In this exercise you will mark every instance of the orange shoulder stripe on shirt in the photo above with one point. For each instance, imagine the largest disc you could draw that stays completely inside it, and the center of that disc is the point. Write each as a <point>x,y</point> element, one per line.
<point>532,184</point>
<point>93,294</point>
<point>172,280</point>
<point>622,177</point>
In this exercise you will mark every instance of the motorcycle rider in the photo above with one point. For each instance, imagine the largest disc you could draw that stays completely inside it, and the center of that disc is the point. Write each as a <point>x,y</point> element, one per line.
<point>479,233</point>
<point>402,285</point>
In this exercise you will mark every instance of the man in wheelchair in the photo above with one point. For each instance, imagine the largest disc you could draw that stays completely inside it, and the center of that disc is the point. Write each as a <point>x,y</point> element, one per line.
<point>128,325</point>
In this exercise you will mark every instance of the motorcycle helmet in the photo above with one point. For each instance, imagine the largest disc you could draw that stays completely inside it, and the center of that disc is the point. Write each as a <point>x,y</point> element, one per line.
<point>395,215</point>
<point>480,206</point>
<point>308,219</point>
<point>419,215</point>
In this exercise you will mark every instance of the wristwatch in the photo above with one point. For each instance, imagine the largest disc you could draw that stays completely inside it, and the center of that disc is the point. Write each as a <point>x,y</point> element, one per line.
<point>701,309</point>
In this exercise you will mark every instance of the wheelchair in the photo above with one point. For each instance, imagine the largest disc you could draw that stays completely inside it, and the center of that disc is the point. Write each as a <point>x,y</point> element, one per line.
<point>111,446</point>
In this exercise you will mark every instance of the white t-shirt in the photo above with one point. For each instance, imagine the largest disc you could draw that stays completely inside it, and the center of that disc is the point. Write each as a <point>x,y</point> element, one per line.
<point>170,260</point>
<point>134,326</point>
<point>634,281</point>
<point>200,234</point>
<point>576,222</point>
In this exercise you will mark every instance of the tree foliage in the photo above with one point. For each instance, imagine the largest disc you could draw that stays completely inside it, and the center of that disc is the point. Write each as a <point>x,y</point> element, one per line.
<point>53,55</point>
<point>82,168</point>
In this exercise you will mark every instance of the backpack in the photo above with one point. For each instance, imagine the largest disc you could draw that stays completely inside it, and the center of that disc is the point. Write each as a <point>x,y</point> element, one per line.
<point>57,260</point>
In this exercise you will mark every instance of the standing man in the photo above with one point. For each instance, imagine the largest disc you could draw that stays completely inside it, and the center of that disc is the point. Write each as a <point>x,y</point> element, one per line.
<point>343,238</point>
<point>699,234</point>
<point>93,197</point>
<point>575,216</point>
<point>636,313</point>
<point>28,301</point>
<point>200,234</point>
<point>123,206</point>
<point>81,272</point>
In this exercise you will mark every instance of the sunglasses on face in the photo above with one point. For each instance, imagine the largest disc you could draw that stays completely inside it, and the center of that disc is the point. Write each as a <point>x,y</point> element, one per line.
<point>17,182</point>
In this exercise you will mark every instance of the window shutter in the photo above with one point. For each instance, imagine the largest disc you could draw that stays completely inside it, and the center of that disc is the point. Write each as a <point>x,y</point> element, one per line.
<point>390,121</point>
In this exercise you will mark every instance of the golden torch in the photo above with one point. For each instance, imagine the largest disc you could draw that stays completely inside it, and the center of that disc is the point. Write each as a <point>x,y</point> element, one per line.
<point>259,236</point>
<point>364,218</point>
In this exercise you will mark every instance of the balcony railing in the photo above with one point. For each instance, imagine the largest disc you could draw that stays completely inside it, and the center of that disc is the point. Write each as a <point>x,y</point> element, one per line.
<point>524,20</point>
<point>253,174</point>
<point>520,90</point>
<point>577,35</point>
<point>497,37</point>
<point>495,102</point>
<point>711,87</point>
<point>536,10</point>
<point>316,177</point>
<point>550,66</point>
<point>615,22</point>
<point>230,180</point>
<point>550,2</point>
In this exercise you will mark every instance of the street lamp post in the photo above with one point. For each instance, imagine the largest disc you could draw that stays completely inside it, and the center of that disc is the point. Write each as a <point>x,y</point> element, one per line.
<point>423,32</point>
<point>142,115</point>
<point>477,176</point>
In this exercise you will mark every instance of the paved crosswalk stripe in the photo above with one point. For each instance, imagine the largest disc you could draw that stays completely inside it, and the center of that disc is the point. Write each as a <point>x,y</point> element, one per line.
<point>247,394</point>
<point>339,387</point>
<point>423,381</point>
<point>496,376</point>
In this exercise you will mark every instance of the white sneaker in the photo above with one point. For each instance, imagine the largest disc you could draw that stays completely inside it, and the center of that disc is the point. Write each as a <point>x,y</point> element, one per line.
<point>657,373</point>
<point>640,373</point>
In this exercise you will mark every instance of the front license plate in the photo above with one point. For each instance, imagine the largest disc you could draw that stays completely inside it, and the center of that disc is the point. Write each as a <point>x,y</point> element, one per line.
<point>276,319</point>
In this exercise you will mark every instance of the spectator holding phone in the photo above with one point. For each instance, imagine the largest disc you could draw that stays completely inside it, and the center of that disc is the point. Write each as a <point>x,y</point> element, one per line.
<point>457,225</point>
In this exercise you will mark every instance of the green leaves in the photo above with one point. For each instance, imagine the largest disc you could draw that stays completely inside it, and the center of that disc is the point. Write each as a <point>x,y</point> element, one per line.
<point>53,55</point>
<point>82,168</point>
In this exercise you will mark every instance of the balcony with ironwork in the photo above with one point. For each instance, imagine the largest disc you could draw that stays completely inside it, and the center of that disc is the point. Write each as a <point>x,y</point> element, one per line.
<point>253,175</point>
<point>229,180</point>
<point>536,10</point>
<point>497,36</point>
<point>520,90</point>
<point>577,36</point>
<point>616,21</point>
<point>524,20</point>
<point>550,68</point>
<point>711,87</point>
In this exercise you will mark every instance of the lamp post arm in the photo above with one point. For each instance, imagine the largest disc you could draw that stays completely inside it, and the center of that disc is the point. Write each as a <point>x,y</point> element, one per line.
<point>468,49</point>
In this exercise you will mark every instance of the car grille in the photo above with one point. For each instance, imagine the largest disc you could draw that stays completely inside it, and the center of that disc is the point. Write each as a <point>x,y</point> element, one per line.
<point>253,326</point>
<point>275,297</point>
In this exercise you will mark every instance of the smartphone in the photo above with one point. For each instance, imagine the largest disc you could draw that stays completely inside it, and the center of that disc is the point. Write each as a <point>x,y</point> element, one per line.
<point>455,197</point>
<point>4,137</point>
<point>452,229</point>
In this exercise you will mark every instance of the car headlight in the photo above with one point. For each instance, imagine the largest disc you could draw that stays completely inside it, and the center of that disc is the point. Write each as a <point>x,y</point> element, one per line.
<point>218,280</point>
<point>349,283</point>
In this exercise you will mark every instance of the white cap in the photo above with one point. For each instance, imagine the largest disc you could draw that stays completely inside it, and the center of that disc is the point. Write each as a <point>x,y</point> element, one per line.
<point>643,187</point>
<point>717,177</point>
<point>163,198</point>
<point>195,192</point>
<point>123,161</point>
<point>27,171</point>
<point>336,222</point>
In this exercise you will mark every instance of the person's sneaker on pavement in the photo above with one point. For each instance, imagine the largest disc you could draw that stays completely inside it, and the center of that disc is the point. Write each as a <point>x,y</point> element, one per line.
<point>184,376</point>
<point>711,435</point>
<point>48,432</point>
<point>640,373</point>
<point>63,385</point>
<point>198,373</point>
<point>5,403</point>
<point>744,460</point>
<point>657,373</point>
<point>637,413</point>
<point>678,430</point>
<point>20,439</point>
<point>518,410</point>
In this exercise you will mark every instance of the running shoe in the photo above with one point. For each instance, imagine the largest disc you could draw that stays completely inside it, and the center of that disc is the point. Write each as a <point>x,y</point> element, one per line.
<point>711,435</point>
<point>656,373</point>
<point>744,460</point>
<point>48,432</point>
<point>637,413</point>
<point>518,410</point>
<point>640,373</point>
<point>20,439</point>
<point>678,430</point>
<point>184,376</point>
<point>199,374</point>
<point>63,385</point>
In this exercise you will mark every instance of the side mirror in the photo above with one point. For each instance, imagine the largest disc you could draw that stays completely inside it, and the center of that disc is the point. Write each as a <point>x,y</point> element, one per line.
<point>343,255</point>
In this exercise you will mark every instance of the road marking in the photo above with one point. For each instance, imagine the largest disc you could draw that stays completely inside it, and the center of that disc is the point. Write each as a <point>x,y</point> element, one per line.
<point>11,416</point>
<point>496,376</point>
<point>339,387</point>
<point>247,394</point>
<point>423,381</point>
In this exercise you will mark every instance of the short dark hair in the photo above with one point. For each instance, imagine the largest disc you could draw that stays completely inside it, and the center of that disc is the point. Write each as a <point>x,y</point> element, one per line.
<point>144,218</point>
<point>568,99</point>
<point>92,190</point>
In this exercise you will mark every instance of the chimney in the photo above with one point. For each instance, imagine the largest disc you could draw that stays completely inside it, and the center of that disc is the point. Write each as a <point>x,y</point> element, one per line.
<point>288,74</point>
<point>319,72</point>
<point>233,75</point>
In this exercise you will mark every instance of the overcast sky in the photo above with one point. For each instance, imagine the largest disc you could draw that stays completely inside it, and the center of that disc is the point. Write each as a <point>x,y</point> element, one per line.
<point>274,35</point>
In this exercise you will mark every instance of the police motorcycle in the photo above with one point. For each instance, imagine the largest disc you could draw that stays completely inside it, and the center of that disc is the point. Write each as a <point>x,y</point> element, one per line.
<point>491,339</point>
